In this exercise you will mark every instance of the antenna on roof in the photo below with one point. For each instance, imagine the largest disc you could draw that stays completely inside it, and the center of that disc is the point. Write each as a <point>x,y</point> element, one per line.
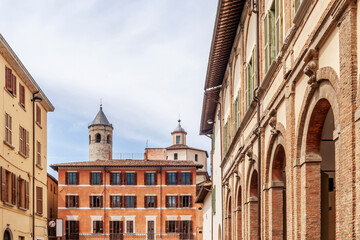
<point>100,102</point>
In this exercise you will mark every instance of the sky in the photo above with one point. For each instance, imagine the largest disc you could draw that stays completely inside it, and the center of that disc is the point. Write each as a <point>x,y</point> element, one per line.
<point>145,60</point>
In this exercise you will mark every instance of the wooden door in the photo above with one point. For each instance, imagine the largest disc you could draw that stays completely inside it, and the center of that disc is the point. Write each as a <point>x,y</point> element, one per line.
<point>150,230</point>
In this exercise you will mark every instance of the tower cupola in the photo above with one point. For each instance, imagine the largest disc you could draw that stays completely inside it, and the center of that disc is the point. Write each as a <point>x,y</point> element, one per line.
<point>100,137</point>
<point>179,135</point>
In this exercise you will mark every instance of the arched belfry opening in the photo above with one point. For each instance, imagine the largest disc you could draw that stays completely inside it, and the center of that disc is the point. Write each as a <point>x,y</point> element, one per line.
<point>278,194</point>
<point>253,205</point>
<point>320,148</point>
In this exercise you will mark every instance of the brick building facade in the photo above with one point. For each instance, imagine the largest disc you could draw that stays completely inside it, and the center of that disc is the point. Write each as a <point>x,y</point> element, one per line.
<point>283,108</point>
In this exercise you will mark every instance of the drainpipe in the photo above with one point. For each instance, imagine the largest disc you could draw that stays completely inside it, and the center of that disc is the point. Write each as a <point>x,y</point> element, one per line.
<point>104,225</point>
<point>160,203</point>
<point>212,176</point>
<point>255,9</point>
<point>221,156</point>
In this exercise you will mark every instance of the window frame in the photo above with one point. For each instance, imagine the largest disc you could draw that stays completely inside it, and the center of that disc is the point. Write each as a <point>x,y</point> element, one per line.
<point>8,128</point>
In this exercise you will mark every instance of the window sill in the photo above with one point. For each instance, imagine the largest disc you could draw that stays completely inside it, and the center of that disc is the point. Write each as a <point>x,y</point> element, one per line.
<point>10,93</point>
<point>39,214</point>
<point>39,125</point>
<point>23,155</point>
<point>71,207</point>
<point>9,204</point>
<point>39,166</point>
<point>21,208</point>
<point>9,145</point>
<point>22,106</point>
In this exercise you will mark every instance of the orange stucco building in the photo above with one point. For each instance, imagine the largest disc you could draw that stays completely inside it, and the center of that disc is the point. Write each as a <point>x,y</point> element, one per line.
<point>128,199</point>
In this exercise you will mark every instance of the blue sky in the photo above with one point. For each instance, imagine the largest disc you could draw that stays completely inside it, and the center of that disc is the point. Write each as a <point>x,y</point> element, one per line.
<point>146,60</point>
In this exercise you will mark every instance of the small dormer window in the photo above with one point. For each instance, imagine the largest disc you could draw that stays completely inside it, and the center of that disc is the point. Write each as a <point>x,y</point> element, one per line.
<point>177,139</point>
<point>108,139</point>
<point>175,156</point>
<point>98,138</point>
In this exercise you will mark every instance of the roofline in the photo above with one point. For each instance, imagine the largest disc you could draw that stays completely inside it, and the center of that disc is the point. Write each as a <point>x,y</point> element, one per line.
<point>204,191</point>
<point>226,24</point>
<point>24,73</point>
<point>52,178</point>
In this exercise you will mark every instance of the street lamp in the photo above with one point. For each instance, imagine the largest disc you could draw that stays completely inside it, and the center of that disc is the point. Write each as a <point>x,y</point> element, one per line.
<point>34,99</point>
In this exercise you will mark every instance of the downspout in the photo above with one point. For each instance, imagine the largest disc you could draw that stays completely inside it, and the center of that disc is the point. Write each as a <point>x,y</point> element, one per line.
<point>212,184</point>
<point>255,9</point>
<point>33,172</point>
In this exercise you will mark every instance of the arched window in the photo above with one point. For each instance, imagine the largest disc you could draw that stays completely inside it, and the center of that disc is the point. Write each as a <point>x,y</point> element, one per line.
<point>89,139</point>
<point>7,235</point>
<point>108,139</point>
<point>98,138</point>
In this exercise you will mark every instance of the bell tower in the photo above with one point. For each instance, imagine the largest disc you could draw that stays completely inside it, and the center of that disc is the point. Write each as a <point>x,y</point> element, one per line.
<point>100,137</point>
<point>179,135</point>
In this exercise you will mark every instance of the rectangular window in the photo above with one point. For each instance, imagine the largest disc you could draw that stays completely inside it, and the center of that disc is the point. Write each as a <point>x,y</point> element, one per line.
<point>186,231</point>
<point>196,157</point>
<point>22,95</point>
<point>97,226</point>
<point>236,110</point>
<point>39,200</point>
<point>38,114</point>
<point>8,187</point>
<point>24,142</point>
<point>177,139</point>
<point>130,201</point>
<point>72,178</point>
<point>150,178</point>
<point>8,128</point>
<point>171,227</point>
<point>150,201</point>
<point>96,201</point>
<point>250,78</point>
<point>10,81</point>
<point>130,179</point>
<point>171,179</point>
<point>72,201</point>
<point>213,199</point>
<point>72,229</point>
<point>129,226</point>
<point>297,4</point>
<point>38,153</point>
<point>115,179</point>
<point>185,201</point>
<point>186,178</point>
<point>171,201</point>
<point>116,230</point>
<point>23,193</point>
<point>226,136</point>
<point>115,201</point>
<point>95,178</point>
<point>175,156</point>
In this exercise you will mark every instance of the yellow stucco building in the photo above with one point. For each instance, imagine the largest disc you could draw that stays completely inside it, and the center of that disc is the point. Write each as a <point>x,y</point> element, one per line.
<point>23,161</point>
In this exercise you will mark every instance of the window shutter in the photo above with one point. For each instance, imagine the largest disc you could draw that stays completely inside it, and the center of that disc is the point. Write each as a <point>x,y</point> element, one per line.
<point>190,201</point>
<point>181,201</point>
<point>191,178</point>
<point>67,200</point>
<point>67,227</point>
<point>145,202</point>
<point>122,201</point>
<point>191,226</point>
<point>18,192</point>
<point>176,178</point>
<point>77,227</point>
<point>179,178</point>
<point>121,226</point>
<point>77,201</point>
<point>27,195</point>
<point>134,201</point>
<point>111,226</point>
<point>155,201</point>
<point>90,201</point>
<point>135,178</point>
<point>13,78</point>
<point>94,226</point>
<point>27,143</point>
<point>111,179</point>
<point>101,201</point>
<point>167,226</point>
<point>66,178</point>
<point>111,201</point>
<point>3,185</point>
<point>124,182</point>
<point>178,226</point>
<point>91,178</point>
<point>177,201</point>
<point>145,179</point>
<point>13,185</point>
<point>120,179</point>
<point>167,201</point>
<point>155,178</point>
<point>167,178</point>
<point>101,178</point>
<point>101,226</point>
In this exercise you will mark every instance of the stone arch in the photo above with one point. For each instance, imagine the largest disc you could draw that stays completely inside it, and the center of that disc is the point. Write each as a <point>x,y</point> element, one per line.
<point>253,205</point>
<point>238,211</point>
<point>274,141</point>
<point>319,117</point>
<point>228,216</point>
